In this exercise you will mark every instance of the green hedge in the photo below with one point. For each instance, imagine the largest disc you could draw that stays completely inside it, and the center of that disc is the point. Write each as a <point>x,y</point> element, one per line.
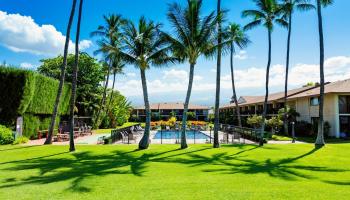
<point>33,123</point>
<point>24,92</point>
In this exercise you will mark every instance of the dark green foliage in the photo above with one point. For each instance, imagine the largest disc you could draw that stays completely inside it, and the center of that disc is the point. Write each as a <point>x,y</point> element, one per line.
<point>33,123</point>
<point>31,95</point>
<point>6,136</point>
<point>45,90</point>
<point>90,75</point>
<point>191,115</point>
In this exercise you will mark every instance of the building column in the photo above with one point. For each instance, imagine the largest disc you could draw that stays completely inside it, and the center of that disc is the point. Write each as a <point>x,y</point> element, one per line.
<point>337,120</point>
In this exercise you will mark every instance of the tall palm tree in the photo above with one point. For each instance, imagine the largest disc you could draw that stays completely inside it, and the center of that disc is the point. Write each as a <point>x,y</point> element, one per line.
<point>237,37</point>
<point>194,36</point>
<point>117,68</point>
<point>320,134</point>
<point>144,47</point>
<point>216,143</point>
<point>62,77</point>
<point>289,7</point>
<point>74,81</point>
<point>266,14</point>
<point>110,38</point>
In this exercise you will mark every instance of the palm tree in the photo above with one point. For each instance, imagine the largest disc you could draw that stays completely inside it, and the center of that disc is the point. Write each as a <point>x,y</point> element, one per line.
<point>194,36</point>
<point>320,134</point>
<point>289,7</point>
<point>110,38</point>
<point>74,82</point>
<point>267,14</point>
<point>216,143</point>
<point>117,68</point>
<point>237,37</point>
<point>145,46</point>
<point>63,71</point>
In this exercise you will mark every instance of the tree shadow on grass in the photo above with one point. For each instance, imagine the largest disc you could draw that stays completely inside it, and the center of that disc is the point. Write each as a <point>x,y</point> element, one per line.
<point>287,169</point>
<point>80,166</point>
<point>17,147</point>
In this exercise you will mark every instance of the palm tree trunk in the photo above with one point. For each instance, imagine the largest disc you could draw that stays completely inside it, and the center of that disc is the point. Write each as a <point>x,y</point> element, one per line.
<point>261,142</point>
<point>144,142</point>
<point>62,77</point>
<point>320,135</point>
<point>216,143</point>
<point>103,101</point>
<point>187,101</point>
<point>285,120</point>
<point>112,93</point>
<point>74,82</point>
<point>238,113</point>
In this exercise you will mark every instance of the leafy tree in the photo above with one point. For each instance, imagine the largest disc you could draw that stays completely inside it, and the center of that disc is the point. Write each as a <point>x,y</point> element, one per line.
<point>90,75</point>
<point>238,38</point>
<point>194,36</point>
<point>289,7</point>
<point>62,75</point>
<point>144,47</point>
<point>320,134</point>
<point>266,14</point>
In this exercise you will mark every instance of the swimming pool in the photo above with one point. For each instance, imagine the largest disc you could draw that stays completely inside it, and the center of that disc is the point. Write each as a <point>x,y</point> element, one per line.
<point>177,135</point>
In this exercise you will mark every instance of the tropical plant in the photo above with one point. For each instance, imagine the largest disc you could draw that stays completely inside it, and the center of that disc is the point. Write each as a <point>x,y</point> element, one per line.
<point>267,14</point>
<point>320,134</point>
<point>194,36</point>
<point>290,116</point>
<point>238,38</point>
<point>289,7</point>
<point>119,109</point>
<point>117,68</point>
<point>275,123</point>
<point>145,46</point>
<point>63,69</point>
<point>90,75</point>
<point>109,46</point>
<point>255,121</point>
<point>74,81</point>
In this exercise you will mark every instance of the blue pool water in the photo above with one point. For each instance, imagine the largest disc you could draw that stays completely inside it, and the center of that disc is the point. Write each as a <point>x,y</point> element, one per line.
<point>177,134</point>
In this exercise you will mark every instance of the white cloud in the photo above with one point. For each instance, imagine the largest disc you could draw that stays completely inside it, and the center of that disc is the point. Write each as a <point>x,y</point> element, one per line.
<point>253,78</point>
<point>131,74</point>
<point>173,74</point>
<point>22,34</point>
<point>197,78</point>
<point>26,65</point>
<point>242,55</point>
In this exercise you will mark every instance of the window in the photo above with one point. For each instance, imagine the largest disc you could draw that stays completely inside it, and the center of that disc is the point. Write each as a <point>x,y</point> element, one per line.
<point>314,101</point>
<point>344,104</point>
<point>344,126</point>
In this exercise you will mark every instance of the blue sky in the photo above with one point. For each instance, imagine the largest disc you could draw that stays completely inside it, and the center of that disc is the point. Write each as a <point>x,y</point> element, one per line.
<point>32,30</point>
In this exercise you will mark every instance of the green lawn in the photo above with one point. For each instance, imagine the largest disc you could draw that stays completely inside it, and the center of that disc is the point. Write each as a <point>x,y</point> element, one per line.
<point>165,172</point>
<point>103,131</point>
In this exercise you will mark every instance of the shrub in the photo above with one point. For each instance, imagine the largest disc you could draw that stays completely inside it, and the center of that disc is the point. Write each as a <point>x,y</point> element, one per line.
<point>6,136</point>
<point>303,128</point>
<point>21,140</point>
<point>275,123</point>
<point>254,121</point>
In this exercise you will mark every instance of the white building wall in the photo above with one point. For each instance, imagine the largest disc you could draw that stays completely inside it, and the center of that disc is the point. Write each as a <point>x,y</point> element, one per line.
<point>331,111</point>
